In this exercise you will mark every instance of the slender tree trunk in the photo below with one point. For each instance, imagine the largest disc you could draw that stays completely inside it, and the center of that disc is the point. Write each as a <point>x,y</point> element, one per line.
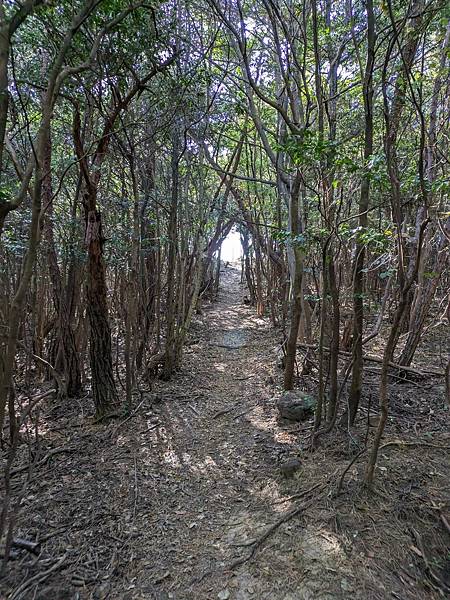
<point>360,251</point>
<point>169,364</point>
<point>4,92</point>
<point>66,336</point>
<point>334,344</point>
<point>387,358</point>
<point>296,302</point>
<point>393,111</point>
<point>425,292</point>
<point>17,303</point>
<point>437,257</point>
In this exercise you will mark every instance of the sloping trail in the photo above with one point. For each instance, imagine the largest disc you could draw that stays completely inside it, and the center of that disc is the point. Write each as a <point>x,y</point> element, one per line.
<point>218,485</point>
<point>159,505</point>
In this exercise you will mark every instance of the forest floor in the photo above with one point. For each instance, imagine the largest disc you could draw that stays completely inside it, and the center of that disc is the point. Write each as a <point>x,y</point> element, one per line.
<point>185,499</point>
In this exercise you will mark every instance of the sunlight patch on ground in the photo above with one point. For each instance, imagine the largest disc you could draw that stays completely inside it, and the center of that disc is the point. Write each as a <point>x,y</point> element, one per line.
<point>171,458</point>
<point>220,366</point>
<point>206,466</point>
<point>257,419</point>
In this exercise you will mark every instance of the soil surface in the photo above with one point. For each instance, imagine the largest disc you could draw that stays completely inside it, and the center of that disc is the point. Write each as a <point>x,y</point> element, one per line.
<point>186,498</point>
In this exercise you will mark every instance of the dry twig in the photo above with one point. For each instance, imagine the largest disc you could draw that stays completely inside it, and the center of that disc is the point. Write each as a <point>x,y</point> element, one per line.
<point>259,541</point>
<point>38,578</point>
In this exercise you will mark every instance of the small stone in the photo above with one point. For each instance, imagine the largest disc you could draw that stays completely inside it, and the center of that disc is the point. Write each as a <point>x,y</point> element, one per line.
<point>224,594</point>
<point>102,591</point>
<point>290,467</point>
<point>296,405</point>
<point>346,585</point>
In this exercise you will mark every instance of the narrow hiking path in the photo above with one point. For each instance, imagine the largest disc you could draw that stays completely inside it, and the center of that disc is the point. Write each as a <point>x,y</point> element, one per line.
<point>219,484</point>
<point>159,506</point>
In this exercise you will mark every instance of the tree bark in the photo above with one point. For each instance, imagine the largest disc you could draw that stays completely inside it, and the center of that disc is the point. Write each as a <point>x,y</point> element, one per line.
<point>103,387</point>
<point>360,250</point>
<point>169,364</point>
<point>387,358</point>
<point>296,303</point>
<point>66,336</point>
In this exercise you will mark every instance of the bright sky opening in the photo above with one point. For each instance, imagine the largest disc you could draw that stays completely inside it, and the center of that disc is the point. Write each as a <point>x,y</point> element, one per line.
<point>231,247</point>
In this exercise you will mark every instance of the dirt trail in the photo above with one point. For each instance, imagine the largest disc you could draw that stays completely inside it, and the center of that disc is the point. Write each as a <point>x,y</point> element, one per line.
<point>160,505</point>
<point>218,484</point>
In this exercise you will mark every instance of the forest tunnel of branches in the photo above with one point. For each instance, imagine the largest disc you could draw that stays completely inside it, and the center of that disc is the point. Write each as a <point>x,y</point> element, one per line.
<point>154,156</point>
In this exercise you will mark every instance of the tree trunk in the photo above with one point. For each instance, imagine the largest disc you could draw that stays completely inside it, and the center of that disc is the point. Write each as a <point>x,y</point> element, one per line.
<point>72,373</point>
<point>169,364</point>
<point>104,392</point>
<point>387,359</point>
<point>334,344</point>
<point>358,264</point>
<point>423,300</point>
<point>296,303</point>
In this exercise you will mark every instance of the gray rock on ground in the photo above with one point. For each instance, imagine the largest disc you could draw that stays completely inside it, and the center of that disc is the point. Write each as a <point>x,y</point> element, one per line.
<point>290,467</point>
<point>296,405</point>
